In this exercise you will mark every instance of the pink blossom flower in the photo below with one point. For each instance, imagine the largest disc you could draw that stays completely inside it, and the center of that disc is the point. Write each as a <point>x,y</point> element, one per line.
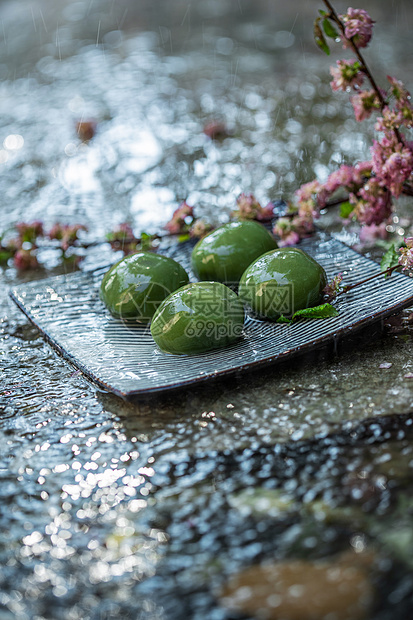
<point>358,26</point>
<point>66,234</point>
<point>364,103</point>
<point>346,75</point>
<point>392,163</point>
<point>291,239</point>
<point>248,207</point>
<point>266,213</point>
<point>123,238</point>
<point>307,191</point>
<point>303,224</point>
<point>402,101</point>
<point>398,90</point>
<point>199,229</point>
<point>343,177</point>
<point>306,199</point>
<point>285,230</point>
<point>406,258</point>
<point>348,177</point>
<point>332,289</point>
<point>291,230</point>
<point>25,259</point>
<point>29,231</point>
<point>390,120</point>
<point>372,204</point>
<point>181,219</point>
<point>362,171</point>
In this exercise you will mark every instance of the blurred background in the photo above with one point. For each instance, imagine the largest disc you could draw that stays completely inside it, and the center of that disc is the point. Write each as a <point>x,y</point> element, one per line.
<point>151,75</point>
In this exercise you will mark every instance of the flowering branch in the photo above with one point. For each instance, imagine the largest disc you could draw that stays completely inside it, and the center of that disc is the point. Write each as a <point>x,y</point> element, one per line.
<point>349,39</point>
<point>363,65</point>
<point>371,186</point>
<point>31,236</point>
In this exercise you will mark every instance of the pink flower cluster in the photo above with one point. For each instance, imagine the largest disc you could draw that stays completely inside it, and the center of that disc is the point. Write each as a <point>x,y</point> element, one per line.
<point>248,208</point>
<point>184,222</point>
<point>406,254</point>
<point>333,288</point>
<point>123,238</point>
<point>29,231</point>
<point>291,230</point>
<point>24,248</point>
<point>392,163</point>
<point>181,220</point>
<point>358,27</point>
<point>346,75</point>
<point>372,204</point>
<point>364,103</point>
<point>199,229</point>
<point>371,201</point>
<point>351,178</point>
<point>25,259</point>
<point>372,185</point>
<point>402,102</point>
<point>67,234</point>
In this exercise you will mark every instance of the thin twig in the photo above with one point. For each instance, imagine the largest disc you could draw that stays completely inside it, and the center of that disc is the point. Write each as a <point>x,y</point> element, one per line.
<point>350,287</point>
<point>333,15</point>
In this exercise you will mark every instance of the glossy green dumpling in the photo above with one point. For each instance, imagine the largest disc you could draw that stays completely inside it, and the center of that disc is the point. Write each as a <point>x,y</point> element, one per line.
<point>226,252</point>
<point>137,285</point>
<point>281,282</point>
<point>197,318</point>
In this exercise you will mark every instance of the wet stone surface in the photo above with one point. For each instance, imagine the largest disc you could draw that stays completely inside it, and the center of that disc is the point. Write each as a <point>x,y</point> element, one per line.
<point>148,509</point>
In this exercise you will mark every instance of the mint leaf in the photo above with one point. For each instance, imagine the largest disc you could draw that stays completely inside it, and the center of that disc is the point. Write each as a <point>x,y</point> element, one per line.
<point>329,29</point>
<point>283,319</point>
<point>390,258</point>
<point>346,208</point>
<point>324,311</point>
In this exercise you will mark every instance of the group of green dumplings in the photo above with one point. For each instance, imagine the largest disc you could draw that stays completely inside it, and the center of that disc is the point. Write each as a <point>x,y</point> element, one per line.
<point>200,316</point>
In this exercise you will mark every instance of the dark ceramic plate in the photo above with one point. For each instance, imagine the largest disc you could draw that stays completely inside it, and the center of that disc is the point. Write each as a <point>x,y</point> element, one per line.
<point>125,360</point>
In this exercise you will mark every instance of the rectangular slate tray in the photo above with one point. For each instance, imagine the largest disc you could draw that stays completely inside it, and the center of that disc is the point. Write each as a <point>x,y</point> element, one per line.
<point>124,359</point>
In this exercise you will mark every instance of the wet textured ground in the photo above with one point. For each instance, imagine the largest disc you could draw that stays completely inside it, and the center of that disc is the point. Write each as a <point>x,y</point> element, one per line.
<point>144,510</point>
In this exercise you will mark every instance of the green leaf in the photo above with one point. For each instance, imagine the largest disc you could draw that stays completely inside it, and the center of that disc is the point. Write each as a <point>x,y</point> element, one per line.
<point>322,13</point>
<point>346,208</point>
<point>324,311</point>
<point>283,319</point>
<point>390,258</point>
<point>184,237</point>
<point>319,37</point>
<point>329,29</point>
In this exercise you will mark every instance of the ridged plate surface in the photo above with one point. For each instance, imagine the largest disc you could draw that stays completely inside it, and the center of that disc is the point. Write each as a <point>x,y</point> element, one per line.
<point>125,360</point>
